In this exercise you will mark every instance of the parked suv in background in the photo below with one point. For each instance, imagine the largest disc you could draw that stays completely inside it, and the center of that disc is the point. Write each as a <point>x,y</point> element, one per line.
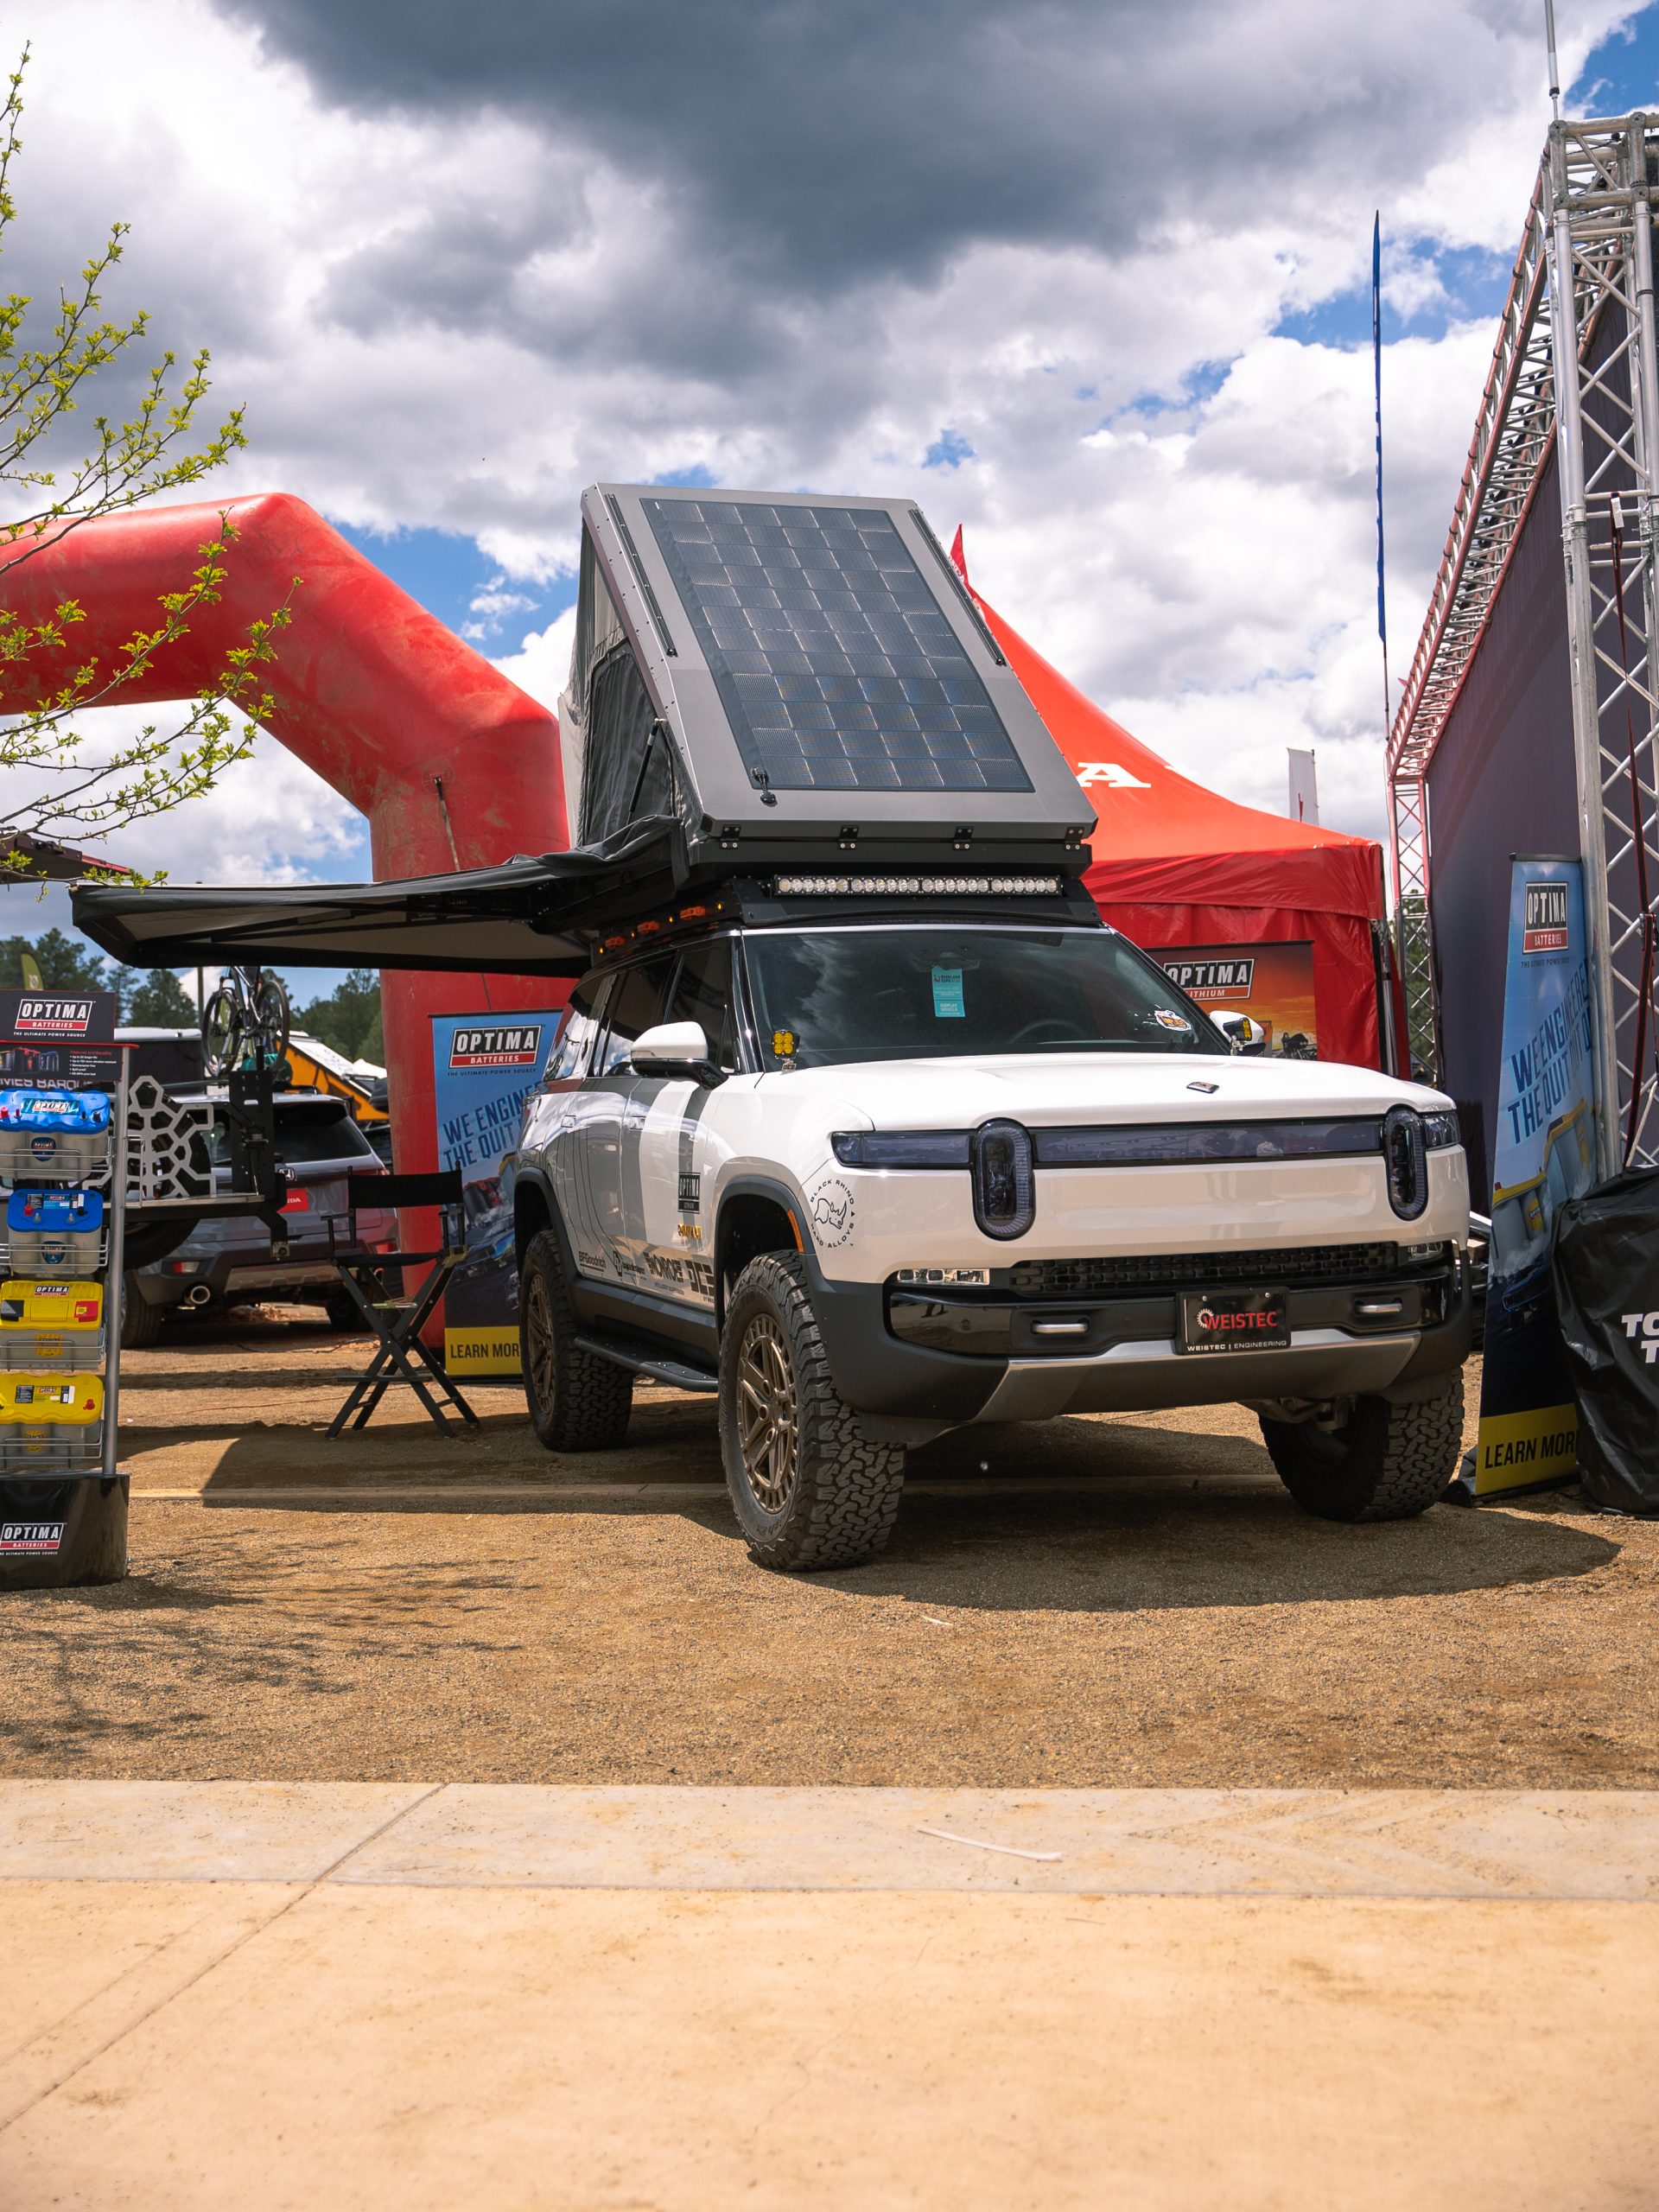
<point>869,1177</point>
<point>237,1262</point>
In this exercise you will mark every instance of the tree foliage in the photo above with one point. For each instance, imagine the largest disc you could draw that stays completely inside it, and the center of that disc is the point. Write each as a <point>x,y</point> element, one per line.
<point>349,1020</point>
<point>73,789</point>
<point>156,999</point>
<point>65,964</point>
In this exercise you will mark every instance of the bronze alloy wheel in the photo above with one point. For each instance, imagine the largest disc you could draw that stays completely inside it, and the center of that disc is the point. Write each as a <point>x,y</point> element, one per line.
<point>768,1417</point>
<point>539,1341</point>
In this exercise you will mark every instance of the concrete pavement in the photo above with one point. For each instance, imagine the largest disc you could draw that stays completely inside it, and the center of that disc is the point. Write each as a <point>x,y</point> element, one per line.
<point>347,1995</point>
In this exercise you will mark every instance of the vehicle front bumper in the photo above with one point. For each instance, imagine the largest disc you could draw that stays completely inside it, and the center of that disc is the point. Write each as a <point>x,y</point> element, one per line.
<point>906,1390</point>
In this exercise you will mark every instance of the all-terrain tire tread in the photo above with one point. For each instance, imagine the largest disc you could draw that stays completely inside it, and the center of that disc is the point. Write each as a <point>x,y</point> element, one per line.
<point>1398,1464</point>
<point>847,1490</point>
<point>592,1397</point>
<point>1425,1438</point>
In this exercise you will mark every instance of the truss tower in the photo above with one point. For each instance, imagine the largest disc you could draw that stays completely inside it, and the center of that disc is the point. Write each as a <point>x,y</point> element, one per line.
<point>1574,378</point>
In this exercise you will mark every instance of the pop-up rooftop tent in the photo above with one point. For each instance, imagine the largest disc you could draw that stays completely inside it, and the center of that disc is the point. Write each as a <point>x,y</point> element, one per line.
<point>1227,895</point>
<point>804,691</point>
<point>767,687</point>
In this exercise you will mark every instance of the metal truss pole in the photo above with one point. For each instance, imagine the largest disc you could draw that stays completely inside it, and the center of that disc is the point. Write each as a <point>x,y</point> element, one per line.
<point>1581,628</point>
<point>1600,182</point>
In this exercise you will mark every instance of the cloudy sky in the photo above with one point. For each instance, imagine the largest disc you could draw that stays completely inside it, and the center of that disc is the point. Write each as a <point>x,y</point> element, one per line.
<point>1088,277</point>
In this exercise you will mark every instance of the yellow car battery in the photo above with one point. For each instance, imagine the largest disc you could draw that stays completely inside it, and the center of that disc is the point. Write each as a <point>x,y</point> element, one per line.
<point>49,1423</point>
<point>52,1325</point>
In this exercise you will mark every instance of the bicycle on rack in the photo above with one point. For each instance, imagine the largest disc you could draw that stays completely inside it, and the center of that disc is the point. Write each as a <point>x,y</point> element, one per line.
<point>245,1024</point>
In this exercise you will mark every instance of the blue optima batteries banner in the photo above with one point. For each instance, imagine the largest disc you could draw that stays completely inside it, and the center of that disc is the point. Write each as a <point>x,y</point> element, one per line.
<point>1545,1153</point>
<point>484,1068</point>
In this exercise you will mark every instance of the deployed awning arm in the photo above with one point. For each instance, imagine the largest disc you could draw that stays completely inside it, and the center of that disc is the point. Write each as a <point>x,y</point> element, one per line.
<point>528,917</point>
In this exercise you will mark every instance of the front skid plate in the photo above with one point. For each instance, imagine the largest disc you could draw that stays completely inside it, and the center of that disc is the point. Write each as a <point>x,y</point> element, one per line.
<point>1149,1378</point>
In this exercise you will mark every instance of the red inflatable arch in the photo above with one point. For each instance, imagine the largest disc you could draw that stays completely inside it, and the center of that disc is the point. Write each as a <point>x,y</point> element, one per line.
<point>454,766</point>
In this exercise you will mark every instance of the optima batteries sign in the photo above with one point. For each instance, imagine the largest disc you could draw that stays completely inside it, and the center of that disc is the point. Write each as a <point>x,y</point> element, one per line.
<point>512,1044</point>
<point>58,1017</point>
<point>484,1069</point>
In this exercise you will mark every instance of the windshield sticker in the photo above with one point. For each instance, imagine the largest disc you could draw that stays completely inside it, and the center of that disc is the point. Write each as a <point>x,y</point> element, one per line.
<point>1167,1018</point>
<point>831,1205</point>
<point>947,995</point>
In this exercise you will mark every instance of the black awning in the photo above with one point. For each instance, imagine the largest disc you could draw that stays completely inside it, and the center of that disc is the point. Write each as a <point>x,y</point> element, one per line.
<point>528,917</point>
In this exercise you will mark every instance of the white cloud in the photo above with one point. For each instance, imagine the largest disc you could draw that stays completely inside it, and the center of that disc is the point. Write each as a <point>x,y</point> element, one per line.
<point>460,319</point>
<point>542,664</point>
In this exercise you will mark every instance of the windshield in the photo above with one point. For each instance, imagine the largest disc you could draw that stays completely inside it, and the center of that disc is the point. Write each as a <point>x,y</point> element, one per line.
<point>836,996</point>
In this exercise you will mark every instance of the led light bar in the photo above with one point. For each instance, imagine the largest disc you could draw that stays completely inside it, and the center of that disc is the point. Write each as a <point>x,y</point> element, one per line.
<point>914,887</point>
<point>953,1278</point>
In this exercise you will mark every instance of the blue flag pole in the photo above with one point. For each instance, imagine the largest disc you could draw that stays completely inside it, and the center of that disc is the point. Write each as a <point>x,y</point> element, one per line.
<point>1377,366</point>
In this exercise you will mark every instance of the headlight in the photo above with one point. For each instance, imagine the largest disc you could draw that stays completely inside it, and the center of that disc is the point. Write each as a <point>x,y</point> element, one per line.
<point>1005,1198</point>
<point>1441,1130</point>
<point>1403,1158</point>
<point>900,1148</point>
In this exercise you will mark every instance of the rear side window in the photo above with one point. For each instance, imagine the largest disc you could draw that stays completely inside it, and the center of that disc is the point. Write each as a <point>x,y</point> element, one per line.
<point>304,1138</point>
<point>569,1054</point>
<point>702,993</point>
<point>635,1005</point>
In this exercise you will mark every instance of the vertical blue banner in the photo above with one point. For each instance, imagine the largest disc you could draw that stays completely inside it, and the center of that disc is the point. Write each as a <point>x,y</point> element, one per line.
<point>484,1067</point>
<point>1544,1154</point>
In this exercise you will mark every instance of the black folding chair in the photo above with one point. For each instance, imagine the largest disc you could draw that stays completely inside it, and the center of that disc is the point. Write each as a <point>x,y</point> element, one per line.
<point>397,1320</point>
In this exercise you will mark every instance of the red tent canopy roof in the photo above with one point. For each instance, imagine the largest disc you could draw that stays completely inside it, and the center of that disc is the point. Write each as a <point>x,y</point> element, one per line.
<point>1163,839</point>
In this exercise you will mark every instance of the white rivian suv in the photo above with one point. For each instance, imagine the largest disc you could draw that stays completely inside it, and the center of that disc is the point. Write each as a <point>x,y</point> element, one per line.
<point>870,1175</point>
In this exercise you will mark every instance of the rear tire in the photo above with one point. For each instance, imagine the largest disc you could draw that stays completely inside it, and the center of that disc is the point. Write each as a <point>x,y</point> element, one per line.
<point>141,1322</point>
<point>578,1401</point>
<point>1387,1462</point>
<point>344,1316</point>
<point>809,1488</point>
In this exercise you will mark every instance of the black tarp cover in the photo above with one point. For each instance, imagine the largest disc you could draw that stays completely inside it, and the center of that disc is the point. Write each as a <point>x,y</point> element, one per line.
<point>1607,1271</point>
<point>525,918</point>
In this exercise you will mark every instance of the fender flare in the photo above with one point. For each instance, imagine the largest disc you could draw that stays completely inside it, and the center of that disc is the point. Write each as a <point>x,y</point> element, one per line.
<point>534,1179</point>
<point>789,1201</point>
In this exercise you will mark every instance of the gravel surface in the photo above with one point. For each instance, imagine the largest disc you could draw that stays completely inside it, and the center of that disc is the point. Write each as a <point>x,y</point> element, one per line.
<point>1107,1601</point>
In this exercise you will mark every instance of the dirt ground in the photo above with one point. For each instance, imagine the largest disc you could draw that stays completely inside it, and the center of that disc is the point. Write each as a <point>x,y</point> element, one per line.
<point>1115,1600</point>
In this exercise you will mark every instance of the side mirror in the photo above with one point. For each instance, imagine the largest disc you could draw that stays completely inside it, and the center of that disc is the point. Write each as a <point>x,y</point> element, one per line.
<point>1244,1035</point>
<point>676,1048</point>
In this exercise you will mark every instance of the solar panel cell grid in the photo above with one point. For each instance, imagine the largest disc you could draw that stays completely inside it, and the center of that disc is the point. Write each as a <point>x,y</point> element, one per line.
<point>836,667</point>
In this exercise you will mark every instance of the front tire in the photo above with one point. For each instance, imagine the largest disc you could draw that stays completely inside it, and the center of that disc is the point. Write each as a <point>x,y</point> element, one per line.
<point>578,1401</point>
<point>809,1488</point>
<point>1386,1462</point>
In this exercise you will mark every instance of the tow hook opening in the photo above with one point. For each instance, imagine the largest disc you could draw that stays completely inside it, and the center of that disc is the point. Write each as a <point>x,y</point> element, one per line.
<point>1326,1414</point>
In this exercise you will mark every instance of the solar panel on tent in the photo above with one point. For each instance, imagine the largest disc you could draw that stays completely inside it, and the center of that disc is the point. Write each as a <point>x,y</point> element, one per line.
<point>833,659</point>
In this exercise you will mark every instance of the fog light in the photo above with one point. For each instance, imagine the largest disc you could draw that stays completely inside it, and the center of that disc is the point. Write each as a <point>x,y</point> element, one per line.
<point>953,1278</point>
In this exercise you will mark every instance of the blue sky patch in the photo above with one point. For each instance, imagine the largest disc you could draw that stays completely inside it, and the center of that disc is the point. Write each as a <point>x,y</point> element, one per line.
<point>455,579</point>
<point>948,450</point>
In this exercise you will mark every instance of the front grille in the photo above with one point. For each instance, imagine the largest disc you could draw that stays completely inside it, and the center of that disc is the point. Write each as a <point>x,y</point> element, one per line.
<point>1300,1263</point>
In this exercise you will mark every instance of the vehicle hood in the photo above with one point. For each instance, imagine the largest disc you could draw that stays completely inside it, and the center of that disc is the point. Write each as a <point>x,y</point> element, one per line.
<point>1061,1089</point>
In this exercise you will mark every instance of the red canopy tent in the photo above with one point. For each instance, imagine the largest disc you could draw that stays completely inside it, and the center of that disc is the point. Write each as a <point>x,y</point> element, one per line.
<point>1178,867</point>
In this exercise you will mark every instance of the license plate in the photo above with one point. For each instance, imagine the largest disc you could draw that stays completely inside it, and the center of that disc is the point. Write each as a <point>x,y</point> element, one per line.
<point>1234,1320</point>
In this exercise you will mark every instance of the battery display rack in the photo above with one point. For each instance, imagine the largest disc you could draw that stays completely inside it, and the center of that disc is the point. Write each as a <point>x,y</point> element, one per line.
<point>63,1187</point>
